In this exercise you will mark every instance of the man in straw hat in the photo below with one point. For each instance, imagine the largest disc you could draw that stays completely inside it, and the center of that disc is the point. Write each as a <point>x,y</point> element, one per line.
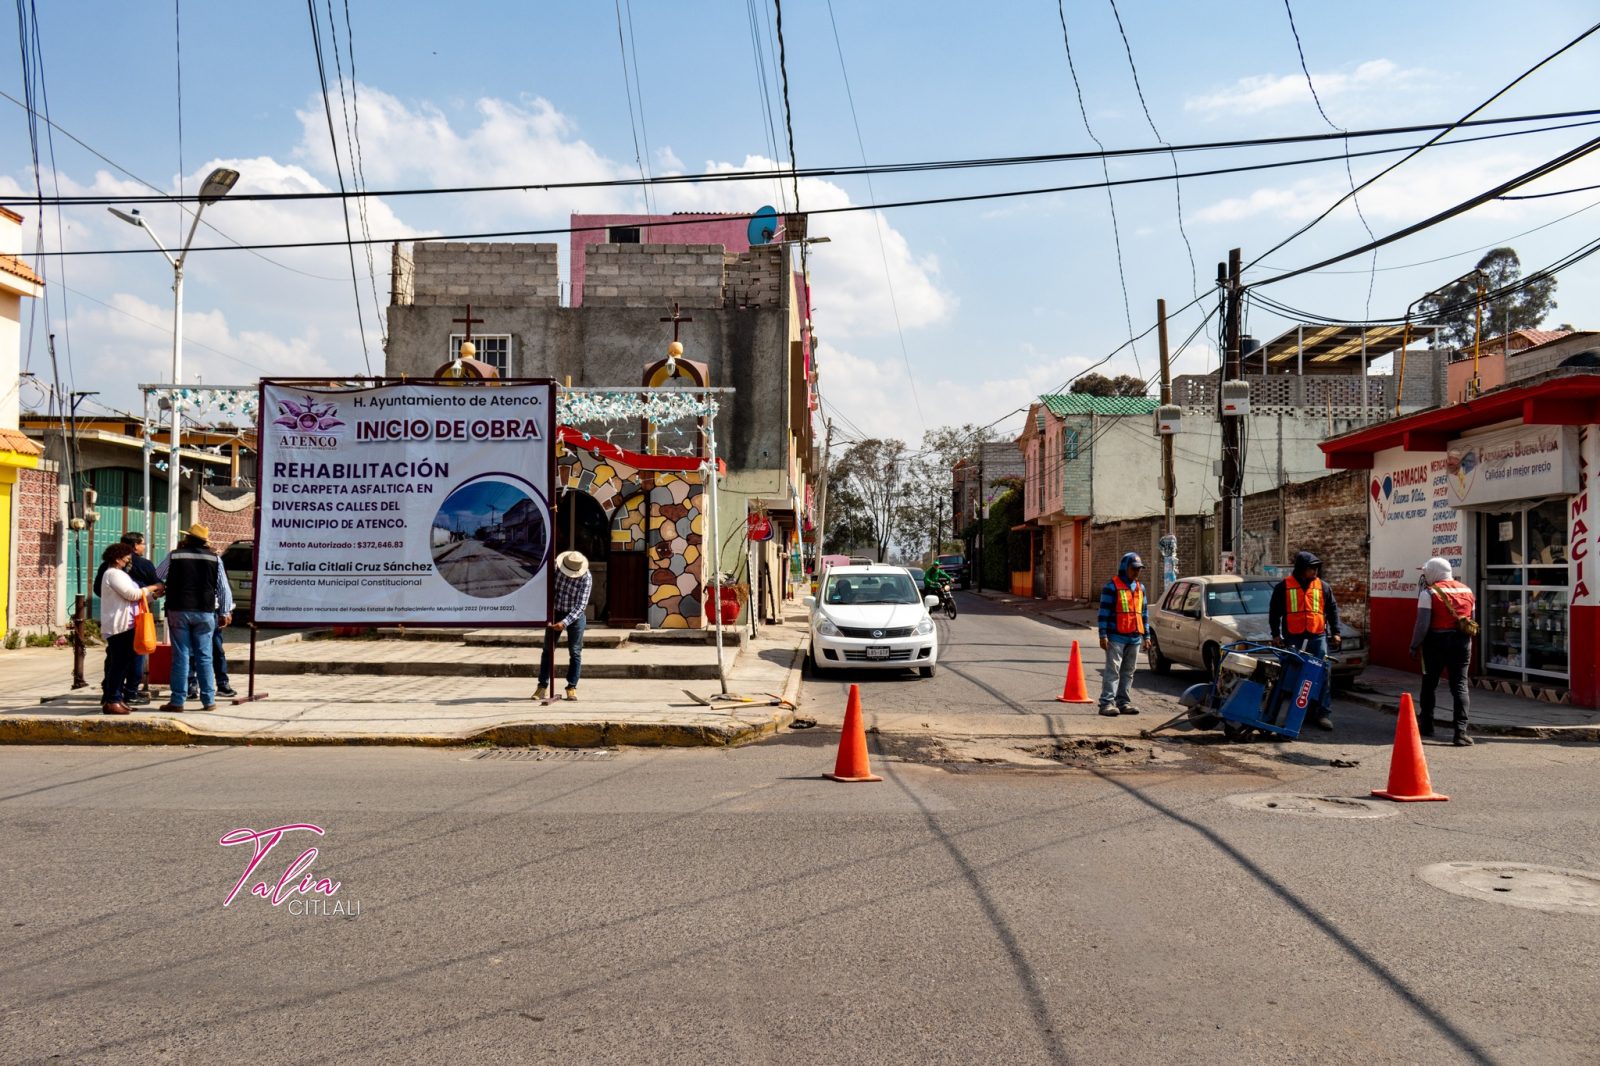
<point>197,593</point>
<point>573,585</point>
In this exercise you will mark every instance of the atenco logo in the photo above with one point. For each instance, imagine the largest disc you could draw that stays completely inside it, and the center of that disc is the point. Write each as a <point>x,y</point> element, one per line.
<point>1304,698</point>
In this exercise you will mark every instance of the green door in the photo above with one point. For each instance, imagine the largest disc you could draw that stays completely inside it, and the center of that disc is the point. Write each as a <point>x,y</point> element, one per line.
<point>121,506</point>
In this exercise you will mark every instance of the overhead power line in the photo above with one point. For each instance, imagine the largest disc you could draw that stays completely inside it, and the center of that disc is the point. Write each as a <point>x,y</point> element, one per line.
<point>1543,169</point>
<point>1435,139</point>
<point>930,166</point>
<point>931,201</point>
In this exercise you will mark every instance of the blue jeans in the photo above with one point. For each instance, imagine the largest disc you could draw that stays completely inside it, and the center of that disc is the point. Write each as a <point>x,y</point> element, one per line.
<point>219,659</point>
<point>1315,644</point>
<point>547,663</point>
<point>1117,676</point>
<point>192,632</point>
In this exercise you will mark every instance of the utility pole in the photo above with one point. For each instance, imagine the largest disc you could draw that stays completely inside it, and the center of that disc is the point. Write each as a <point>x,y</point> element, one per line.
<point>1232,474</point>
<point>977,540</point>
<point>822,500</point>
<point>1169,490</point>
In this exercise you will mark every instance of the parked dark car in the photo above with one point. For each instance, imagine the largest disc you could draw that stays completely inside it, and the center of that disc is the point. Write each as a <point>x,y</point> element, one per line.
<point>240,562</point>
<point>956,566</point>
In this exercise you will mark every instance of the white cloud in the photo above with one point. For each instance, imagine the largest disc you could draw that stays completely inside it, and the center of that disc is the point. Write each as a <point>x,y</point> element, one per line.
<point>1417,190</point>
<point>1265,92</point>
<point>850,284</point>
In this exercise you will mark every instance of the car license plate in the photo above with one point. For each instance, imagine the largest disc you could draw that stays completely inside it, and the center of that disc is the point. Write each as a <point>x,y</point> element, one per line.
<point>877,653</point>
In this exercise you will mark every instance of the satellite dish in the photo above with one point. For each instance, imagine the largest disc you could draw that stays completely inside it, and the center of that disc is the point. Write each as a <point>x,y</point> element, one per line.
<point>763,226</point>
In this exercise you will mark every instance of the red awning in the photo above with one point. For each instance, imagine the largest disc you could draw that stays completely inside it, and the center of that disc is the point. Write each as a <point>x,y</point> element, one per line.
<point>1573,399</point>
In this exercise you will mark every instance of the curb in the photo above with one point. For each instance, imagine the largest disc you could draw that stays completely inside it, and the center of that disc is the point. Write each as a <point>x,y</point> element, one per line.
<point>593,671</point>
<point>1391,706</point>
<point>117,730</point>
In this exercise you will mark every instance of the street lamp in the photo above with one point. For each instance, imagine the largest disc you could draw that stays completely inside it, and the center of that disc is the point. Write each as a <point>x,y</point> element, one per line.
<point>216,186</point>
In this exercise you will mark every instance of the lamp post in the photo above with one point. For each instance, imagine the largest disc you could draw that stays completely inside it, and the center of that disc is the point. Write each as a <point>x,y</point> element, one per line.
<point>216,186</point>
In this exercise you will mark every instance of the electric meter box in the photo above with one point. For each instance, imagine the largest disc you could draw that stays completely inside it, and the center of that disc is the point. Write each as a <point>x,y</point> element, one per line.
<point>1235,399</point>
<point>1169,419</point>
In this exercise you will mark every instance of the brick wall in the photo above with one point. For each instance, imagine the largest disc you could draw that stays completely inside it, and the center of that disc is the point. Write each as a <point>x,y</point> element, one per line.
<point>653,275</point>
<point>1327,517</point>
<point>37,499</point>
<point>448,273</point>
<point>228,519</point>
<point>1109,541</point>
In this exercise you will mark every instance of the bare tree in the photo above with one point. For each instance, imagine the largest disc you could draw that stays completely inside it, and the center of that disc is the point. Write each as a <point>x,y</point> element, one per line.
<point>870,473</point>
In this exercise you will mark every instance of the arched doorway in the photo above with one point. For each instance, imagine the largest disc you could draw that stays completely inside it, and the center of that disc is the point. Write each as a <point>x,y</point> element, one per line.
<point>582,525</point>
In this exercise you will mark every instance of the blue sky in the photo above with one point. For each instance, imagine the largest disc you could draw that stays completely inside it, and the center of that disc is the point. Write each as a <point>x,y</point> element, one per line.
<point>997,301</point>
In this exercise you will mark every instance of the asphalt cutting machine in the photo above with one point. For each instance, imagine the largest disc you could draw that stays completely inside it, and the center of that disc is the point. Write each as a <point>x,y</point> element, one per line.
<point>1256,688</point>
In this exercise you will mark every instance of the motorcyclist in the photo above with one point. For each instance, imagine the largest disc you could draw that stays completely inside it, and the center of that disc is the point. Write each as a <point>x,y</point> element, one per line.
<point>935,577</point>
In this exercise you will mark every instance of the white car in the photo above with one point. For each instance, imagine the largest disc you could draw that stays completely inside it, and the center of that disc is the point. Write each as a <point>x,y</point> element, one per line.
<point>872,617</point>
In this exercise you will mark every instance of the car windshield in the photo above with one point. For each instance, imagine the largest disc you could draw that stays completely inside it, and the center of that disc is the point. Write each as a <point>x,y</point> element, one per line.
<point>1244,597</point>
<point>950,560</point>
<point>843,589</point>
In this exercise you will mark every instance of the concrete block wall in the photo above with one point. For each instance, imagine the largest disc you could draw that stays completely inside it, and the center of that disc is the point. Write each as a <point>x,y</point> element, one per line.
<point>754,278</point>
<point>1547,357</point>
<point>38,514</point>
<point>491,274</point>
<point>1076,479</point>
<point>654,275</point>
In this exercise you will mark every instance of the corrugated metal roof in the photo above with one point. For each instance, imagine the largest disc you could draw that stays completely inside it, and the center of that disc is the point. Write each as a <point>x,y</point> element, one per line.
<point>1079,403</point>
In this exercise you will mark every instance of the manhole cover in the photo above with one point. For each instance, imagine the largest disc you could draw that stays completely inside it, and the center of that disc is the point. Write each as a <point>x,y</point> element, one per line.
<point>542,754</point>
<point>1323,806</point>
<point>1536,888</point>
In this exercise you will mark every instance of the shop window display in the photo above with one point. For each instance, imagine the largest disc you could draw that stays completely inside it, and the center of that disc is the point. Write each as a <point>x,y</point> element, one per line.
<point>1524,591</point>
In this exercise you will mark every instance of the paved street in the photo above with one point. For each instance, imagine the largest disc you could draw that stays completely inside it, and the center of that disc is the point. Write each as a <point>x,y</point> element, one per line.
<point>479,570</point>
<point>731,906</point>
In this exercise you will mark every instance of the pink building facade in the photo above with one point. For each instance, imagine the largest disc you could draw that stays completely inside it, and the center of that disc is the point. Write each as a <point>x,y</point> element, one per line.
<point>730,231</point>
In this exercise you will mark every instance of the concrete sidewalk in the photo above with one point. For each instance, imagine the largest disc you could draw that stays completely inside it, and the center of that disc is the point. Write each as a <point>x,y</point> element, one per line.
<point>419,709</point>
<point>1068,611</point>
<point>1489,712</point>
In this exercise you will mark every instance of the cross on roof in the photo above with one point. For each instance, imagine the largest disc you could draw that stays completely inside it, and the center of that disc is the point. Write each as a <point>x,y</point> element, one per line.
<point>468,321</point>
<point>675,320</point>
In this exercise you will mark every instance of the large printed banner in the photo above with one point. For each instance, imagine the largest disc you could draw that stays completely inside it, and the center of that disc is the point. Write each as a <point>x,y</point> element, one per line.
<point>416,503</point>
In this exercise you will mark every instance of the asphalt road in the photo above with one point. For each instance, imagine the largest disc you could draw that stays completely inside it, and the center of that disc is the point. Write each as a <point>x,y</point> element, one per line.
<point>479,570</point>
<point>704,906</point>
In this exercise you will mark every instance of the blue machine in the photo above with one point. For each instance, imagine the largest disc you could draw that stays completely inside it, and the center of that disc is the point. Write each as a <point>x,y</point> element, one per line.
<point>1257,688</point>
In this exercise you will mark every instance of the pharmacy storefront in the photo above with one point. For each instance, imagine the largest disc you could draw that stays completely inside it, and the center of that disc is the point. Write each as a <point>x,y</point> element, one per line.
<point>1505,489</point>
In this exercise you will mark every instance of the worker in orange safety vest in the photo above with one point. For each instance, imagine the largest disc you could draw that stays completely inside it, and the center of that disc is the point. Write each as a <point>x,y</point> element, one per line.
<point>1304,616</point>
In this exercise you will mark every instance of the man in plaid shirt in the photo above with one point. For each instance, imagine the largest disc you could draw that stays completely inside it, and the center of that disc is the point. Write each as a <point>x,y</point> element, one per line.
<point>573,586</point>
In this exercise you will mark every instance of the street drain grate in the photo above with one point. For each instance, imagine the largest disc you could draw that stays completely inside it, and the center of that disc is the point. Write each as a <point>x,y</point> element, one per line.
<point>1516,884</point>
<point>1321,806</point>
<point>543,754</point>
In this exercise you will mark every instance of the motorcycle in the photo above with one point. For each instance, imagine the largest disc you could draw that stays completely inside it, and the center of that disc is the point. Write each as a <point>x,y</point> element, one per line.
<point>947,600</point>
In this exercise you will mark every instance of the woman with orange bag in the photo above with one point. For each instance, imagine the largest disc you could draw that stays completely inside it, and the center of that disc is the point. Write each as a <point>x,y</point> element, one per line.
<point>121,602</point>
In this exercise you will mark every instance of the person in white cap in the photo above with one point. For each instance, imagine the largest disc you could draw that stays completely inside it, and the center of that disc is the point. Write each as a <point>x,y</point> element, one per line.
<point>573,586</point>
<point>1444,642</point>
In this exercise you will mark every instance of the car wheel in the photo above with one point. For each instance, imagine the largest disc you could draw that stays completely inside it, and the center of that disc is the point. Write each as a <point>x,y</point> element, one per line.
<point>926,671</point>
<point>1158,662</point>
<point>809,665</point>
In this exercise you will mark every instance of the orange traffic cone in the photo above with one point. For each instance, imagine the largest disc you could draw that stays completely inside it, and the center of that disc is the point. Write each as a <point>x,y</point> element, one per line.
<point>1074,690</point>
<point>1408,770</point>
<point>852,762</point>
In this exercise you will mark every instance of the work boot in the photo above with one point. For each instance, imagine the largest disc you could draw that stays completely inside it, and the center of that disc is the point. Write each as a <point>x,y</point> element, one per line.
<point>1425,723</point>
<point>1109,711</point>
<point>541,692</point>
<point>114,708</point>
<point>1325,722</point>
<point>572,692</point>
<point>1462,740</point>
<point>1127,708</point>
